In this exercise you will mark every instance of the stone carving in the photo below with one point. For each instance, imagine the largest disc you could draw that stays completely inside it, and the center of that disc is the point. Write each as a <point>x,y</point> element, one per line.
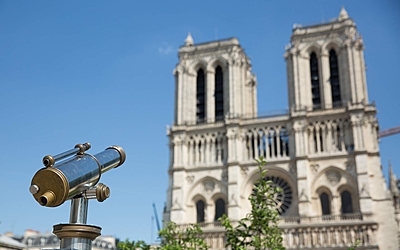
<point>244,170</point>
<point>314,168</point>
<point>293,169</point>
<point>233,200</point>
<point>190,179</point>
<point>209,186</point>
<point>224,176</point>
<point>177,204</point>
<point>303,196</point>
<point>364,191</point>
<point>333,177</point>
<point>349,166</point>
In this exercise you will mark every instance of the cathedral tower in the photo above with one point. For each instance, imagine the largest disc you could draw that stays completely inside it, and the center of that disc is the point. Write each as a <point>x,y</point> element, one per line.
<point>323,153</point>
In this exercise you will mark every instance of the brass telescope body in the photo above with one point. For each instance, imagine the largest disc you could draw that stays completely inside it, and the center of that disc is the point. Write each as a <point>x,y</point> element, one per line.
<point>62,180</point>
<point>74,175</point>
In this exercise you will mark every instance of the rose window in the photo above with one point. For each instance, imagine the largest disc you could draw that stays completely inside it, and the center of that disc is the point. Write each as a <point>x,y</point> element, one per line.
<point>283,199</point>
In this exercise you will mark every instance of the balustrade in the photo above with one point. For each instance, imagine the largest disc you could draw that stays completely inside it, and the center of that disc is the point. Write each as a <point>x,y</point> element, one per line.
<point>328,136</point>
<point>207,149</point>
<point>271,142</point>
<point>330,236</point>
<point>319,232</point>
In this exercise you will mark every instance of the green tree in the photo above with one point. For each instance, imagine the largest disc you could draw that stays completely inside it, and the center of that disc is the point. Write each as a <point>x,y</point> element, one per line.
<point>132,245</point>
<point>259,229</point>
<point>355,245</point>
<point>174,238</point>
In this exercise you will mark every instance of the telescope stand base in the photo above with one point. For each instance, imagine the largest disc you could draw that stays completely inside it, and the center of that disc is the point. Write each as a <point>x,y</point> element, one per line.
<point>76,236</point>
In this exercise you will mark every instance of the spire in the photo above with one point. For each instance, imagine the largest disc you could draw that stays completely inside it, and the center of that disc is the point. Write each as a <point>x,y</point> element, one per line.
<point>189,40</point>
<point>343,15</point>
<point>392,179</point>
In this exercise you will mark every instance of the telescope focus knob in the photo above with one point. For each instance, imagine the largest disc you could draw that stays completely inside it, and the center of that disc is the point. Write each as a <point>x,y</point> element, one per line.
<point>102,192</point>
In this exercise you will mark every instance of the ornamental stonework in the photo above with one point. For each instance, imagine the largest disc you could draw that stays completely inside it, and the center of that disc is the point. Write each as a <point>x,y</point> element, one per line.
<point>333,177</point>
<point>208,186</point>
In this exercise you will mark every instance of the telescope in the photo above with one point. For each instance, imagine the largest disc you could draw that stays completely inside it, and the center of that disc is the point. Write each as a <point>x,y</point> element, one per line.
<point>74,175</point>
<point>62,180</point>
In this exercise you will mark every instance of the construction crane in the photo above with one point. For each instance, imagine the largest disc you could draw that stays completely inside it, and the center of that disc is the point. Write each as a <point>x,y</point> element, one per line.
<point>156,217</point>
<point>389,132</point>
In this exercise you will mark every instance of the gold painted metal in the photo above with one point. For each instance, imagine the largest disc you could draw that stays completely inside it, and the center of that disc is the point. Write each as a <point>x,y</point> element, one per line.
<point>48,161</point>
<point>102,192</point>
<point>53,187</point>
<point>83,147</point>
<point>76,231</point>
<point>121,152</point>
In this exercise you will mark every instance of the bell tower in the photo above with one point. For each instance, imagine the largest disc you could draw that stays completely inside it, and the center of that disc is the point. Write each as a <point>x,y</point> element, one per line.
<point>325,65</point>
<point>213,81</point>
<point>214,90</point>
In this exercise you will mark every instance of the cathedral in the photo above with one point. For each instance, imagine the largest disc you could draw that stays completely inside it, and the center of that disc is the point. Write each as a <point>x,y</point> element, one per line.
<point>323,153</point>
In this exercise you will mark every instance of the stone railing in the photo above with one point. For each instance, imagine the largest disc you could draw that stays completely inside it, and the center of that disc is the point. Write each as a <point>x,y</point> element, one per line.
<point>319,232</point>
<point>205,226</point>
<point>269,139</point>
<point>339,218</point>
<point>337,237</point>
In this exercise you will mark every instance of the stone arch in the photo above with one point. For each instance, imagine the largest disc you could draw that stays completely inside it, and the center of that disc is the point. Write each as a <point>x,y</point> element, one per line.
<point>319,193</point>
<point>254,175</point>
<point>314,47</point>
<point>215,198</point>
<point>352,189</point>
<point>334,180</point>
<point>179,69</point>
<point>206,188</point>
<point>332,44</point>
<point>195,66</point>
<point>215,62</point>
<point>197,199</point>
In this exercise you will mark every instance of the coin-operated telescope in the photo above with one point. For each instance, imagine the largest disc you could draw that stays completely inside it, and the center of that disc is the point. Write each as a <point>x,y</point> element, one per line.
<point>74,175</point>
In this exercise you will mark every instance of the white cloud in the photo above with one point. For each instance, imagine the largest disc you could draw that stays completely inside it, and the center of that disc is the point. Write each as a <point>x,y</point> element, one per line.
<point>165,50</point>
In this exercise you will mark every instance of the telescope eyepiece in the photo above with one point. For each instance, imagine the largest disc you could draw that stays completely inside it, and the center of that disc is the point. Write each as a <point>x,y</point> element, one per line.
<point>47,199</point>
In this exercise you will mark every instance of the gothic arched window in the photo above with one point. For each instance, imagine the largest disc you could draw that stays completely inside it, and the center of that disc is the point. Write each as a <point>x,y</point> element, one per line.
<point>200,96</point>
<point>325,204</point>
<point>219,94</point>
<point>347,206</point>
<point>334,79</point>
<point>315,90</point>
<point>219,209</point>
<point>200,211</point>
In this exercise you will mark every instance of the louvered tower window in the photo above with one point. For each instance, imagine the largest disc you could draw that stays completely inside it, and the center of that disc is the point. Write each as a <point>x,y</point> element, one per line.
<point>325,204</point>
<point>219,94</point>
<point>200,211</point>
<point>347,206</point>
<point>315,90</point>
<point>200,96</point>
<point>335,85</point>
<point>219,209</point>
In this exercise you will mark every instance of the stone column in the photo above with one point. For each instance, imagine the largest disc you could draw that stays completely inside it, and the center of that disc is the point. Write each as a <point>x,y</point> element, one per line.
<point>234,192</point>
<point>325,83</point>
<point>210,97</point>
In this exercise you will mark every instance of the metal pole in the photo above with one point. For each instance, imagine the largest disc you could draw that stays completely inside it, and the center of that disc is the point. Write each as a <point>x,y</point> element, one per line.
<point>79,210</point>
<point>77,235</point>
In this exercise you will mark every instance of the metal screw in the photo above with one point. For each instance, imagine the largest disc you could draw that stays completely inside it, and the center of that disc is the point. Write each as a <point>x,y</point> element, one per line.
<point>34,189</point>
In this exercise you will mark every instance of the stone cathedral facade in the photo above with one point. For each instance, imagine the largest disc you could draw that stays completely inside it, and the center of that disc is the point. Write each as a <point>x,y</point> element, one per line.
<point>323,153</point>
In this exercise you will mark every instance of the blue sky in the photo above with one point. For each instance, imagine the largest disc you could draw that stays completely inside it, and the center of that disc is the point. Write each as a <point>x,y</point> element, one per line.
<point>101,72</point>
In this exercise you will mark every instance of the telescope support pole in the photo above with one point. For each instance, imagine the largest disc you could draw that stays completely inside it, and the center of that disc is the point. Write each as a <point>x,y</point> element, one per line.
<point>79,210</point>
<point>77,235</point>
